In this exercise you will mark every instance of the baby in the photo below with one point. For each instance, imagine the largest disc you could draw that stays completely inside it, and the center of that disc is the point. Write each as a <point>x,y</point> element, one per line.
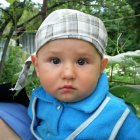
<point>73,101</point>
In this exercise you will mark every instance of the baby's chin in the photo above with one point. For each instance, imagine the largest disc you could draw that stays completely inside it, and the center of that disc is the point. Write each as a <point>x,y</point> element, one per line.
<point>70,100</point>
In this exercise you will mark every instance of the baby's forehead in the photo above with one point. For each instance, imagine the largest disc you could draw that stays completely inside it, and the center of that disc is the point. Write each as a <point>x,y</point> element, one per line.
<point>66,46</point>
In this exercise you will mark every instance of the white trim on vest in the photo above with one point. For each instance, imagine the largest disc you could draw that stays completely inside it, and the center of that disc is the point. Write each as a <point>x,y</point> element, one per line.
<point>89,120</point>
<point>119,124</point>
<point>33,120</point>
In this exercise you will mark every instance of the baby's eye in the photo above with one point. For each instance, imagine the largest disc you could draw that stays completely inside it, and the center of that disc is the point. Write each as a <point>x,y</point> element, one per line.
<point>55,60</point>
<point>81,61</point>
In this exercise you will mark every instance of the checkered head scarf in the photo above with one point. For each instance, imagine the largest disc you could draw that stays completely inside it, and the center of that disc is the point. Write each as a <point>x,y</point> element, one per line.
<point>66,24</point>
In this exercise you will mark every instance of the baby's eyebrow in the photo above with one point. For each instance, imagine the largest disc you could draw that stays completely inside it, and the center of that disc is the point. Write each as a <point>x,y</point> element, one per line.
<point>54,52</point>
<point>84,53</point>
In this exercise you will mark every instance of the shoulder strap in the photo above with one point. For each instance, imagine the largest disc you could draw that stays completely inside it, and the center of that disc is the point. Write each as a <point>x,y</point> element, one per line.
<point>119,124</point>
<point>33,119</point>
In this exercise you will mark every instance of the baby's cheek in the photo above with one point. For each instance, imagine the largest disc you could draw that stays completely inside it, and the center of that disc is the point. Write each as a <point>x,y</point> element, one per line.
<point>48,82</point>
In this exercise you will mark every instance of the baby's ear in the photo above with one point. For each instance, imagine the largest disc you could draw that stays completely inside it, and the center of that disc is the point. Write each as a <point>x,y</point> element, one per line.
<point>33,58</point>
<point>35,63</point>
<point>104,64</point>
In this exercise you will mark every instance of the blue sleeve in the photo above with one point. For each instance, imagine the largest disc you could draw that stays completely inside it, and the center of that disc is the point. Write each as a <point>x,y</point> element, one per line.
<point>15,115</point>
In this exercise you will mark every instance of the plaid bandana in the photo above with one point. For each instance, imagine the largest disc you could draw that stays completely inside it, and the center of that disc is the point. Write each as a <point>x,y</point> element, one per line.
<point>68,23</point>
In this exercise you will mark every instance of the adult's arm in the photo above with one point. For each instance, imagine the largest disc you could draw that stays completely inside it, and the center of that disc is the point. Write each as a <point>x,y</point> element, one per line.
<point>6,133</point>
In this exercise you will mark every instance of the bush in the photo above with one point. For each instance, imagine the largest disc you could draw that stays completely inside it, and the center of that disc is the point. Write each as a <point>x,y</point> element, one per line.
<point>12,65</point>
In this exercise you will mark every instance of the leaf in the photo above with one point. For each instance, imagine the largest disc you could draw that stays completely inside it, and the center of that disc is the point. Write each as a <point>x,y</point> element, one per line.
<point>130,93</point>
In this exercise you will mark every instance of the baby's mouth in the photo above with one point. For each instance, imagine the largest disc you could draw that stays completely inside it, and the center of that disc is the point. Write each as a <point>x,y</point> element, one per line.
<point>67,88</point>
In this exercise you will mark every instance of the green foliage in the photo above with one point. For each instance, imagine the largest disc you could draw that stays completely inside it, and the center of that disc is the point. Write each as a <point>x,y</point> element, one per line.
<point>130,93</point>
<point>32,83</point>
<point>129,67</point>
<point>119,18</point>
<point>12,65</point>
<point>29,11</point>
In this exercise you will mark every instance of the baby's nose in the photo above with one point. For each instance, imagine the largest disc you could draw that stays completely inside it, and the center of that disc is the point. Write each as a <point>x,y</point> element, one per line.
<point>69,71</point>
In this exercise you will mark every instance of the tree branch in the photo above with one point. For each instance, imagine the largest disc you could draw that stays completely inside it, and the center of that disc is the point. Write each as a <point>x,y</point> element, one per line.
<point>10,16</point>
<point>29,20</point>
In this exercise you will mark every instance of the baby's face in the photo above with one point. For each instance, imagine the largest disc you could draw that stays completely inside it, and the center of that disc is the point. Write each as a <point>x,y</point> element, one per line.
<point>68,69</point>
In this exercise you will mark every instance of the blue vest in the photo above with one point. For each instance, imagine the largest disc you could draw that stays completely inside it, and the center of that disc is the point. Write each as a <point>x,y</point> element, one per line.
<point>101,116</point>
